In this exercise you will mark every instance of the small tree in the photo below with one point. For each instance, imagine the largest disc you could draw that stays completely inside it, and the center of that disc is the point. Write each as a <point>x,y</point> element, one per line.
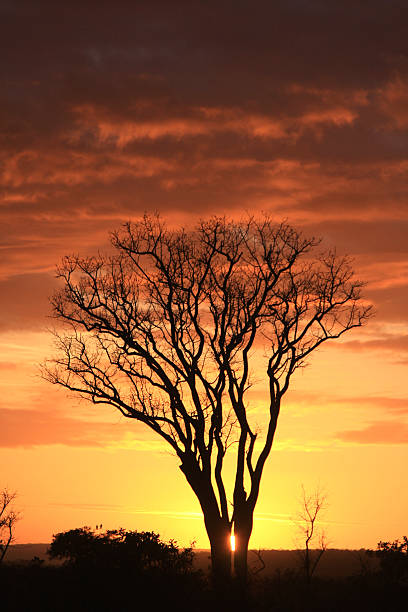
<point>165,330</point>
<point>8,520</point>
<point>313,536</point>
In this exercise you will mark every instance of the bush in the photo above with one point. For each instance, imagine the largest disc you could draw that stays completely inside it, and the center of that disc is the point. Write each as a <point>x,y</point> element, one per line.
<point>393,558</point>
<point>119,549</point>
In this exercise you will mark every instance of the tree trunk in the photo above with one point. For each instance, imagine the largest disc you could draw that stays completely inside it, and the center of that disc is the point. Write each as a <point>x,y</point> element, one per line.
<point>218,527</point>
<point>219,532</point>
<point>219,535</point>
<point>242,529</point>
<point>241,557</point>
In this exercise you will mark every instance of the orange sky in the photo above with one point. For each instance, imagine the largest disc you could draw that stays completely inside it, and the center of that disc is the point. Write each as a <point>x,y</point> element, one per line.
<point>195,108</point>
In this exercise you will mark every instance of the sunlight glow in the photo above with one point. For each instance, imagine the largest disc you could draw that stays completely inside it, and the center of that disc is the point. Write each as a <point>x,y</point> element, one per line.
<point>233,543</point>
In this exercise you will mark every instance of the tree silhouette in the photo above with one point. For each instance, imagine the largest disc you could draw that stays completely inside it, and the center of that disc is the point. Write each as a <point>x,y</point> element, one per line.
<point>8,519</point>
<point>165,330</point>
<point>393,558</point>
<point>312,507</point>
<point>140,551</point>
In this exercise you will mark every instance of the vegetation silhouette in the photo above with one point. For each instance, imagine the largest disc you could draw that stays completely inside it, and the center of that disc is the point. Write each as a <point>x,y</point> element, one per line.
<point>312,506</point>
<point>8,520</point>
<point>165,330</point>
<point>110,581</point>
<point>142,551</point>
<point>393,559</point>
<point>111,571</point>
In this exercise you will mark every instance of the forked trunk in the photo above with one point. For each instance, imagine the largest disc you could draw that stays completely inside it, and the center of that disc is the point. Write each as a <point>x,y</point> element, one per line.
<point>230,570</point>
<point>219,533</point>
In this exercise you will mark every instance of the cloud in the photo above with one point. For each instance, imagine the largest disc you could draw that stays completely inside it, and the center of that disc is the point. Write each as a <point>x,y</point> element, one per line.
<point>71,168</point>
<point>390,343</point>
<point>29,428</point>
<point>394,101</point>
<point>24,303</point>
<point>387,404</point>
<point>7,365</point>
<point>391,405</point>
<point>378,432</point>
<point>391,303</point>
<point>109,128</point>
<point>193,112</point>
<point>104,127</point>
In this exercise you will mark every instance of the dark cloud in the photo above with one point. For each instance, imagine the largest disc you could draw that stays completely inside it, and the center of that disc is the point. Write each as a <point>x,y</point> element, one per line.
<point>294,107</point>
<point>340,42</point>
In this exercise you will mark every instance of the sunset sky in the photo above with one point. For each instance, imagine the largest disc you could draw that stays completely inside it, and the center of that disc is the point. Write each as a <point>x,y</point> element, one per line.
<point>190,108</point>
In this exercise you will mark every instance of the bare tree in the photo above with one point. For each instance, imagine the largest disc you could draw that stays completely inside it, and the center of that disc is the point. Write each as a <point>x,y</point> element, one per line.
<point>165,330</point>
<point>8,519</point>
<point>261,565</point>
<point>313,535</point>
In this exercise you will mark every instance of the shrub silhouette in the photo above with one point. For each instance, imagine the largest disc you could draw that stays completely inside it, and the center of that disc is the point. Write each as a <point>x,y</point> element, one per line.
<point>131,550</point>
<point>393,558</point>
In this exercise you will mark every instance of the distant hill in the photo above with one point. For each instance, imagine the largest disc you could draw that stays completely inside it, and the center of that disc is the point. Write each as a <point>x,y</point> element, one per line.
<point>334,563</point>
<point>26,552</point>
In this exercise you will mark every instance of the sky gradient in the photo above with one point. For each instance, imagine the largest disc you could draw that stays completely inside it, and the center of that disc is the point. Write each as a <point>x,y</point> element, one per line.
<point>296,108</point>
